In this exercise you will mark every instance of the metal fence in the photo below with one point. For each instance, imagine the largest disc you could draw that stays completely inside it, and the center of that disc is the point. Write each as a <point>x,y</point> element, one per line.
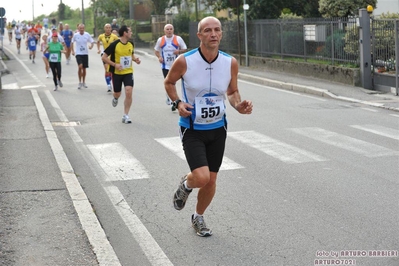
<point>383,45</point>
<point>330,40</point>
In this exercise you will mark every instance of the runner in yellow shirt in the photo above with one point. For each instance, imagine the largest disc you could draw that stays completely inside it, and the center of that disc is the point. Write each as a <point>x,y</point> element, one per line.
<point>106,39</point>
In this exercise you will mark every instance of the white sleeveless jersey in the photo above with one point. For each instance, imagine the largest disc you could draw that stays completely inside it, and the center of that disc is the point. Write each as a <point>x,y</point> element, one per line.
<point>204,86</point>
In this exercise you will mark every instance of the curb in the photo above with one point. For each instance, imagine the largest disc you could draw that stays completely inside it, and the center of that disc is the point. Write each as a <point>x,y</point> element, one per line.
<point>309,90</point>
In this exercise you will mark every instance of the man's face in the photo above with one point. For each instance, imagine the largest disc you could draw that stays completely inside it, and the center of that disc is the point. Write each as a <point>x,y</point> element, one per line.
<point>211,32</point>
<point>168,30</point>
<point>81,29</point>
<point>107,29</point>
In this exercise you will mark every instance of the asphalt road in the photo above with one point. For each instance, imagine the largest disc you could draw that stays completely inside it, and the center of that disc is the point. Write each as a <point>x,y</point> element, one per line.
<point>304,178</point>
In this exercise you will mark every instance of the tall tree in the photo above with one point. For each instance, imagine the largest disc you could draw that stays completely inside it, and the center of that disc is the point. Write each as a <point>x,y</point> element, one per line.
<point>258,9</point>
<point>160,6</point>
<point>343,8</point>
<point>303,8</point>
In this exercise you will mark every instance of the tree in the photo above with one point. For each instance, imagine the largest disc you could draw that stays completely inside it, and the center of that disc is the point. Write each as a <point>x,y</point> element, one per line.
<point>258,9</point>
<point>304,8</point>
<point>160,6</point>
<point>343,8</point>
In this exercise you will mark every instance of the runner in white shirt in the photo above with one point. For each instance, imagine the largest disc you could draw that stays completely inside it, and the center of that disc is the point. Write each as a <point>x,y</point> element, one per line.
<point>80,49</point>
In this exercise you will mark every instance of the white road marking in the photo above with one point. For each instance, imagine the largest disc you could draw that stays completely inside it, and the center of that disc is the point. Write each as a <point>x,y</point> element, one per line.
<point>279,150</point>
<point>379,130</point>
<point>174,144</point>
<point>10,86</point>
<point>370,110</point>
<point>344,142</point>
<point>147,243</point>
<point>151,249</point>
<point>117,162</point>
<point>394,115</point>
<point>102,248</point>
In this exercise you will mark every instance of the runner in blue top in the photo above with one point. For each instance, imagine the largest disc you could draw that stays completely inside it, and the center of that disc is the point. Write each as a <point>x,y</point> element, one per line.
<point>31,43</point>
<point>209,76</point>
<point>67,34</point>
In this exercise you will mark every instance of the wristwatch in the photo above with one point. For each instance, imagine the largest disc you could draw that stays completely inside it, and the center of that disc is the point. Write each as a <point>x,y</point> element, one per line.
<point>175,104</point>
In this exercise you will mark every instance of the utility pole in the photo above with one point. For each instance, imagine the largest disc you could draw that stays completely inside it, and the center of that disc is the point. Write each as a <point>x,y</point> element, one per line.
<point>83,13</point>
<point>131,9</point>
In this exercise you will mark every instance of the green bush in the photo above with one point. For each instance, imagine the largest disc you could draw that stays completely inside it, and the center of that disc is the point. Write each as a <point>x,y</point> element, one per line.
<point>293,42</point>
<point>338,38</point>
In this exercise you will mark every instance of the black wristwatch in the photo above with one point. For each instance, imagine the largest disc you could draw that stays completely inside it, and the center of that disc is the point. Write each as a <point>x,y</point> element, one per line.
<point>175,104</point>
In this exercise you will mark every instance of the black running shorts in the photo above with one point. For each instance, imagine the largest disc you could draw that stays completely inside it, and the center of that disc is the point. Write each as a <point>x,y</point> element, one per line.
<point>204,147</point>
<point>83,59</point>
<point>118,80</point>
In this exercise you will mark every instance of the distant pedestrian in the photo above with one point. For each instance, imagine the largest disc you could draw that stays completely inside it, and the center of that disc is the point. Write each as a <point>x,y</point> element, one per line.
<point>114,25</point>
<point>31,42</point>
<point>167,48</point>
<point>106,39</point>
<point>67,35</point>
<point>45,54</point>
<point>9,30</point>
<point>55,49</point>
<point>18,37</point>
<point>80,40</point>
<point>119,55</point>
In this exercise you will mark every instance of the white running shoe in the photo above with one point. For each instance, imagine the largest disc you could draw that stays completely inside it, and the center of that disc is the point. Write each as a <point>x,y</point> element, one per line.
<point>126,119</point>
<point>79,86</point>
<point>55,88</point>
<point>84,85</point>
<point>60,83</point>
<point>109,88</point>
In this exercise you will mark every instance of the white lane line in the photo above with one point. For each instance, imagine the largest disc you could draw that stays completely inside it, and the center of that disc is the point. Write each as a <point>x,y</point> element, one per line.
<point>10,86</point>
<point>370,110</point>
<point>156,255</point>
<point>379,130</point>
<point>279,150</point>
<point>394,115</point>
<point>117,162</point>
<point>282,90</point>
<point>344,142</point>
<point>174,145</point>
<point>140,233</point>
<point>90,224</point>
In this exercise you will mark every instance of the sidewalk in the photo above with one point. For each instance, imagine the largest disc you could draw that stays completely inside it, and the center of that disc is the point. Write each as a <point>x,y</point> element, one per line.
<point>38,222</point>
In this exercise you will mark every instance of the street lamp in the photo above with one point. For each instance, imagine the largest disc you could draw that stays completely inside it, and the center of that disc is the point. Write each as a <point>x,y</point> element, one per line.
<point>83,13</point>
<point>246,7</point>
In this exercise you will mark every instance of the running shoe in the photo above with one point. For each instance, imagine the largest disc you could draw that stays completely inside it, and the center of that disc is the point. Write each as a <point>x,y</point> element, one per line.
<point>80,86</point>
<point>55,88</point>
<point>46,76</point>
<point>30,57</point>
<point>199,226</point>
<point>109,88</point>
<point>33,61</point>
<point>126,119</point>
<point>84,85</point>
<point>60,83</point>
<point>181,195</point>
<point>114,102</point>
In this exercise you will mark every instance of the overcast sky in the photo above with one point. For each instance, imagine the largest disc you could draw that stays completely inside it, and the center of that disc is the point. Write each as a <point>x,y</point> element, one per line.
<point>22,9</point>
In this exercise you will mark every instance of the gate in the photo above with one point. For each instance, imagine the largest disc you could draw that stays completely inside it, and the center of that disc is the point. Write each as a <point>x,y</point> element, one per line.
<point>385,54</point>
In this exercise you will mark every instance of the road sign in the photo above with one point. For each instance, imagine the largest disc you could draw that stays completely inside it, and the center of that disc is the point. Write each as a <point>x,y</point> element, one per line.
<point>2,11</point>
